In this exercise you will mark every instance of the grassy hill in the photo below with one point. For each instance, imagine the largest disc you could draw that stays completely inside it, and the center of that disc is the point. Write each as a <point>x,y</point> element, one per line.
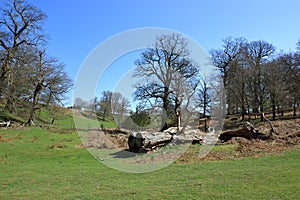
<point>49,162</point>
<point>51,116</point>
<point>39,164</point>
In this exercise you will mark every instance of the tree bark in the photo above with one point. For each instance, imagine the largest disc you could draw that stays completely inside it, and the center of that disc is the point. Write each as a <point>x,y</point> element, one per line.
<point>294,107</point>
<point>247,133</point>
<point>142,142</point>
<point>36,94</point>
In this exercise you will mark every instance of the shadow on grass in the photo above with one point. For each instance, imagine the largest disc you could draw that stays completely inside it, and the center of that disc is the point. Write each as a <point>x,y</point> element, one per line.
<point>125,153</point>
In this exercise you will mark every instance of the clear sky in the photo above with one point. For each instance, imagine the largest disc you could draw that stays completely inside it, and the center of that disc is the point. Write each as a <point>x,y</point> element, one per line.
<point>76,27</point>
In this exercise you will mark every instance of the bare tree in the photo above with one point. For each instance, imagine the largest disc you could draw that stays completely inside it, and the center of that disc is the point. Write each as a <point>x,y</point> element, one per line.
<point>204,100</point>
<point>237,85</point>
<point>165,67</point>
<point>273,74</point>
<point>48,75</point>
<point>119,104</point>
<point>289,64</point>
<point>225,59</point>
<point>80,103</point>
<point>257,53</point>
<point>183,96</point>
<point>20,26</point>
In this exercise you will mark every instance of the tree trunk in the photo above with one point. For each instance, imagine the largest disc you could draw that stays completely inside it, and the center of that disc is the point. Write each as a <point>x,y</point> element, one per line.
<point>261,113</point>
<point>247,133</point>
<point>147,141</point>
<point>165,109</point>
<point>10,104</point>
<point>249,113</point>
<point>36,94</point>
<point>273,109</point>
<point>178,120</point>
<point>294,107</point>
<point>243,112</point>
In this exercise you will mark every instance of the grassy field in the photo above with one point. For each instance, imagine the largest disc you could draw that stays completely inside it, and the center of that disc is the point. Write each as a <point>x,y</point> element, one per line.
<point>41,164</point>
<point>49,163</point>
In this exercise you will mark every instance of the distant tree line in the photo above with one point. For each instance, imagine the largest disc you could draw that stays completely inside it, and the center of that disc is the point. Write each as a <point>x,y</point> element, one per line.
<point>28,75</point>
<point>256,78</point>
<point>106,106</point>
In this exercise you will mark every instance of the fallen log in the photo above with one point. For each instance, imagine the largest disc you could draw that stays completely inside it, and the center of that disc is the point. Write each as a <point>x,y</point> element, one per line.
<point>147,141</point>
<point>5,124</point>
<point>248,133</point>
<point>115,131</point>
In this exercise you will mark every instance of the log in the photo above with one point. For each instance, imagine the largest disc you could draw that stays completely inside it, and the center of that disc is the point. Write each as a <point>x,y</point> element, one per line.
<point>248,133</point>
<point>141,142</point>
<point>5,124</point>
<point>146,141</point>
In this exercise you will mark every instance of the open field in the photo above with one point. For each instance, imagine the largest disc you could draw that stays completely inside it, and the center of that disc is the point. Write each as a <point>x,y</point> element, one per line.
<point>41,164</point>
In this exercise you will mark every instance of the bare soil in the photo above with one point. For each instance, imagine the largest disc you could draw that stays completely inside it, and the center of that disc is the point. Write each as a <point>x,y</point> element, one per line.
<point>285,138</point>
<point>102,140</point>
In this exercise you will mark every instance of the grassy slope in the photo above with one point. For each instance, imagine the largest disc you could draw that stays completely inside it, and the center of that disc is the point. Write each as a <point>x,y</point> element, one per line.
<point>46,164</point>
<point>63,118</point>
<point>38,164</point>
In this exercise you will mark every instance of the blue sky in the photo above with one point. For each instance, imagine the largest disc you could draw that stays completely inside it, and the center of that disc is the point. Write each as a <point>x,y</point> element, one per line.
<point>76,27</point>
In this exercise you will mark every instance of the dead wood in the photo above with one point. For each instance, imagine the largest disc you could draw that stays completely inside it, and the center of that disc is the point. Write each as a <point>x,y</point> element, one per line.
<point>147,141</point>
<point>5,124</point>
<point>272,128</point>
<point>248,133</point>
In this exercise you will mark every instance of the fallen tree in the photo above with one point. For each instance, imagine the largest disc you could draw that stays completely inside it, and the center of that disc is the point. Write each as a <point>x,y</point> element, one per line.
<point>147,141</point>
<point>244,133</point>
<point>5,124</point>
<point>248,132</point>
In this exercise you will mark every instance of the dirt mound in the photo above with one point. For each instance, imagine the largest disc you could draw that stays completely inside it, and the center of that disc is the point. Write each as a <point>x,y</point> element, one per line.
<point>102,140</point>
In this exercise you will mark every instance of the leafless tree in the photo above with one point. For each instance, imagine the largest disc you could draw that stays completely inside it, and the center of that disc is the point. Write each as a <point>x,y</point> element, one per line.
<point>20,26</point>
<point>273,74</point>
<point>48,77</point>
<point>257,53</point>
<point>119,104</point>
<point>166,69</point>
<point>225,60</point>
<point>80,103</point>
<point>289,64</point>
<point>204,97</point>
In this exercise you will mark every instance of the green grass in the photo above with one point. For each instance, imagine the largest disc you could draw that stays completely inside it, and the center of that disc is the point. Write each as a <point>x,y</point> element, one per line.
<point>4,116</point>
<point>38,164</point>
